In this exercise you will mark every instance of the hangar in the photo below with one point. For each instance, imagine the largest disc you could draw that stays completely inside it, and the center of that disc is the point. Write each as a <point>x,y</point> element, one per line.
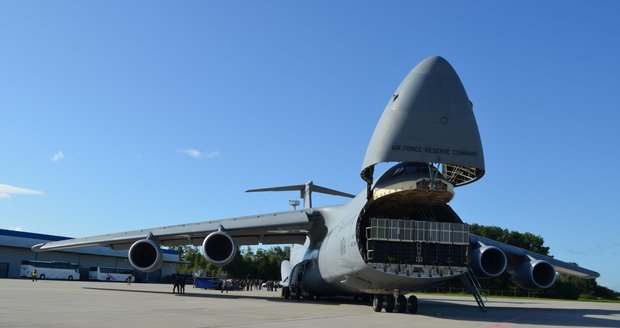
<point>15,248</point>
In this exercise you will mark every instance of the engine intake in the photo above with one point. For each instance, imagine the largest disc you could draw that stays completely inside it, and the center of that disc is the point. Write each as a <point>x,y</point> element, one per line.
<point>218,248</point>
<point>488,261</point>
<point>537,274</point>
<point>145,255</point>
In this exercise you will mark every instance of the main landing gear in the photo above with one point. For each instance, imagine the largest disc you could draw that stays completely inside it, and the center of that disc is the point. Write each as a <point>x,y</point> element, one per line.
<point>400,303</point>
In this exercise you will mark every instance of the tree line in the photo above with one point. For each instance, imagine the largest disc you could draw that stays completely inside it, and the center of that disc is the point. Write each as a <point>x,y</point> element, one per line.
<point>264,263</point>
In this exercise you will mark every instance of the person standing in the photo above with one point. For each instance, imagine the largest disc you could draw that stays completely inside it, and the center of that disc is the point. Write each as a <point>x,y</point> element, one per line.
<point>181,285</point>
<point>175,283</point>
<point>34,275</point>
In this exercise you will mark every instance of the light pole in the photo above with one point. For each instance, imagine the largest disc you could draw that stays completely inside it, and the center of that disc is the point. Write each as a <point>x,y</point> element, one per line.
<point>294,203</point>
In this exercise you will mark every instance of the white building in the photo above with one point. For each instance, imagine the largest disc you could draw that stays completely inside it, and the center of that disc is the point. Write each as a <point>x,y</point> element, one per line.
<point>15,247</point>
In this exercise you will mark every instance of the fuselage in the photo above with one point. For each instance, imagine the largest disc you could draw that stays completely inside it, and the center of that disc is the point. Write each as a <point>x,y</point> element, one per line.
<point>402,236</point>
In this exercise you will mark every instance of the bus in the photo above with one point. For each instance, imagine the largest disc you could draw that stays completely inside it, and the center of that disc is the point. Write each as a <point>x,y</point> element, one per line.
<point>50,270</point>
<point>111,274</point>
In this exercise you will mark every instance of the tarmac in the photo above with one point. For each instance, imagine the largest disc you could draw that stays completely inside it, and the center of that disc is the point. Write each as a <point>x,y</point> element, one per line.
<point>48,303</point>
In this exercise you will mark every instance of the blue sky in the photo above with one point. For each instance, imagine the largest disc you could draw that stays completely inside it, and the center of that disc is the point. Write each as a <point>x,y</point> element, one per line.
<point>122,115</point>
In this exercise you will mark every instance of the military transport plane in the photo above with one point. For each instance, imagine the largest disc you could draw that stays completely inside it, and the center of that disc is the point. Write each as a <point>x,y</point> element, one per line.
<point>396,236</point>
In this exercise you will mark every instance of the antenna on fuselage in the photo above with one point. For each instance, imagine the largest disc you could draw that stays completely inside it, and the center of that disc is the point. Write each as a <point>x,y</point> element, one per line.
<point>305,192</point>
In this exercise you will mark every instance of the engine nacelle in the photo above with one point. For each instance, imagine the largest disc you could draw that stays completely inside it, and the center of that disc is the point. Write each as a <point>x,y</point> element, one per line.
<point>537,274</point>
<point>219,248</point>
<point>145,255</point>
<point>488,261</point>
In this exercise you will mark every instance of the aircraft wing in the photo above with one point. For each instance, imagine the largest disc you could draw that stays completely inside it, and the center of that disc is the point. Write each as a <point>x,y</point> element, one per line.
<point>516,255</point>
<point>274,228</point>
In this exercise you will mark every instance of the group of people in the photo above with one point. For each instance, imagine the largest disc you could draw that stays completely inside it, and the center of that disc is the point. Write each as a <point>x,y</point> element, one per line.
<point>178,283</point>
<point>249,284</point>
<point>259,284</point>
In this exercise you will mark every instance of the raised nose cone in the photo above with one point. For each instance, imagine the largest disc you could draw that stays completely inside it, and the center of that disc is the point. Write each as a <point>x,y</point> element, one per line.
<point>429,119</point>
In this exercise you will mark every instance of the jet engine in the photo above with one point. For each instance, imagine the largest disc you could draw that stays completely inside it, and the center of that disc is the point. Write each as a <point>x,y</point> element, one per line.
<point>536,274</point>
<point>488,261</point>
<point>146,255</point>
<point>219,248</point>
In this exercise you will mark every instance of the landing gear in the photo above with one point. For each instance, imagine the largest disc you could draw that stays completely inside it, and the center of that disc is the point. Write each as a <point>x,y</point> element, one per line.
<point>412,304</point>
<point>389,303</point>
<point>377,303</point>
<point>286,292</point>
<point>296,292</point>
<point>399,303</point>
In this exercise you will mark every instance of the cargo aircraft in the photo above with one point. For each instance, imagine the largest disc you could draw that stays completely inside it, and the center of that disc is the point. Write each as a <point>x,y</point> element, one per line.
<point>396,236</point>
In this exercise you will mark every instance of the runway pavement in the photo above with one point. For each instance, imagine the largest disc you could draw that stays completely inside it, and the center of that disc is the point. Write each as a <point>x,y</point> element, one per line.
<point>99,304</point>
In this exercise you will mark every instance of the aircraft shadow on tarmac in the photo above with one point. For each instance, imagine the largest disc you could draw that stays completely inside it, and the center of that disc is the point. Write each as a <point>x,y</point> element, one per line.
<point>195,293</point>
<point>527,313</point>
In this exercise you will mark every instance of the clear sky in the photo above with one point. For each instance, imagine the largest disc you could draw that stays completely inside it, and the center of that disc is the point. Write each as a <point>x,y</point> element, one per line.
<point>119,115</point>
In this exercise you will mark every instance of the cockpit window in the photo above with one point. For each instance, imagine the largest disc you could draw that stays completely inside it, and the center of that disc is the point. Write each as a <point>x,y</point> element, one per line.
<point>410,168</point>
<point>415,168</point>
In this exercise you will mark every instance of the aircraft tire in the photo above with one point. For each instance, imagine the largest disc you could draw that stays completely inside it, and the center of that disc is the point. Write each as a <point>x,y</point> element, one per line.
<point>389,303</point>
<point>296,294</point>
<point>412,304</point>
<point>377,303</point>
<point>401,307</point>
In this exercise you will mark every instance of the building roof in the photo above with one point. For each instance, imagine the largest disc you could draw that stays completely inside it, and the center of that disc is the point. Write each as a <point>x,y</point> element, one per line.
<point>22,239</point>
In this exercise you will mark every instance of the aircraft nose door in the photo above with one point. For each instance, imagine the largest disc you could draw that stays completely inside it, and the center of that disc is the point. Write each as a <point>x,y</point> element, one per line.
<point>429,119</point>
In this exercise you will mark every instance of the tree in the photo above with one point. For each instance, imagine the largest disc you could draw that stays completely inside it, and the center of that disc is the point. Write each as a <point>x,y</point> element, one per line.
<point>264,264</point>
<point>525,240</point>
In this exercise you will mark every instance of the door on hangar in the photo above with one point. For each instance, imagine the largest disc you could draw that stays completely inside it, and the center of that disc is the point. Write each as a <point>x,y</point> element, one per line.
<point>4,270</point>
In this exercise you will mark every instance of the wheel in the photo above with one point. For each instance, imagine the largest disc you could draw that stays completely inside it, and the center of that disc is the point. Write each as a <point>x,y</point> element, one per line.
<point>296,294</point>
<point>401,307</point>
<point>377,303</point>
<point>412,304</point>
<point>70,278</point>
<point>389,303</point>
<point>286,292</point>
<point>107,279</point>
<point>42,277</point>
